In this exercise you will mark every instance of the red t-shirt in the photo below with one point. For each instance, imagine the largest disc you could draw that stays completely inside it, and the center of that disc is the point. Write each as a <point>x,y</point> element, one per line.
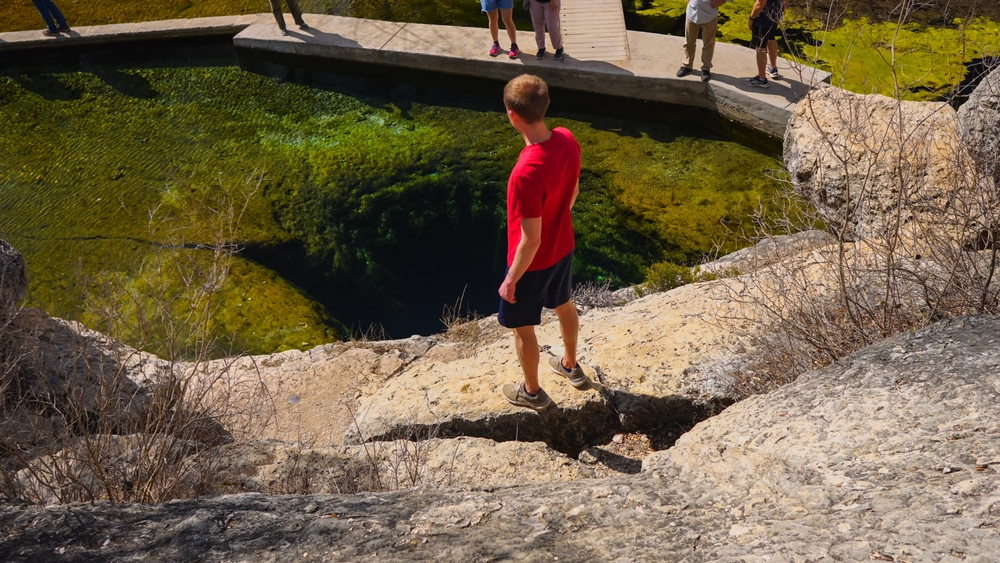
<point>542,185</point>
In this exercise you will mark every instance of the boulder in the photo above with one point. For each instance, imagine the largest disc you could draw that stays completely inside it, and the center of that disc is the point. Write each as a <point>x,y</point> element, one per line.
<point>13,280</point>
<point>891,454</point>
<point>979,125</point>
<point>64,376</point>
<point>866,161</point>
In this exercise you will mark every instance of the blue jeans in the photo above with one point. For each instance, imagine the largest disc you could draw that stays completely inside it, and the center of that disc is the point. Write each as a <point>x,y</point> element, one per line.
<point>48,10</point>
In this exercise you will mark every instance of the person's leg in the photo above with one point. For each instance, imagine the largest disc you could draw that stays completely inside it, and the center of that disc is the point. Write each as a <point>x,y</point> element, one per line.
<point>278,16</point>
<point>57,15</point>
<point>293,7</point>
<point>494,18</point>
<point>690,42</point>
<point>761,62</point>
<point>569,327</point>
<point>555,28</point>
<point>508,22</point>
<point>708,43</point>
<point>528,355</point>
<point>537,10</point>
<point>43,10</point>
<point>772,52</point>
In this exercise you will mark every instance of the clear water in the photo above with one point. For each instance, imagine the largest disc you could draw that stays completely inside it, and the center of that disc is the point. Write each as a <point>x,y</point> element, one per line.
<point>380,202</point>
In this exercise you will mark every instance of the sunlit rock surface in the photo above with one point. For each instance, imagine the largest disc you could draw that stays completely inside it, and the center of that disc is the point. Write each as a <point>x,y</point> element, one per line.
<point>891,454</point>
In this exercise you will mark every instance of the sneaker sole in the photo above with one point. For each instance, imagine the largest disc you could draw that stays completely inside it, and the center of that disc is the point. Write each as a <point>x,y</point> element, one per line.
<point>530,406</point>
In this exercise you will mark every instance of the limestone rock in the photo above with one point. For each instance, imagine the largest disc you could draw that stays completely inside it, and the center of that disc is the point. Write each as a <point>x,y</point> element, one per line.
<point>769,251</point>
<point>65,375</point>
<point>891,454</point>
<point>863,160</point>
<point>979,125</point>
<point>13,280</point>
<point>283,468</point>
<point>660,360</point>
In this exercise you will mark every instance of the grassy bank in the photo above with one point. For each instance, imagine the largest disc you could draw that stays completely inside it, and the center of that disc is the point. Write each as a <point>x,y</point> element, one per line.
<point>865,55</point>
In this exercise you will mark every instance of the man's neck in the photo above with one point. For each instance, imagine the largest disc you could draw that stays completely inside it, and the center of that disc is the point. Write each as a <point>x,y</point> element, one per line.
<point>535,133</point>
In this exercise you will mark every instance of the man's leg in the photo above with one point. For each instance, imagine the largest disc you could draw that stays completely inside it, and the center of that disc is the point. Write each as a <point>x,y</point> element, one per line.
<point>278,16</point>
<point>508,22</point>
<point>528,355</point>
<point>569,327</point>
<point>772,52</point>
<point>494,18</point>
<point>43,10</point>
<point>54,10</point>
<point>708,43</point>
<point>293,7</point>
<point>761,62</point>
<point>690,42</point>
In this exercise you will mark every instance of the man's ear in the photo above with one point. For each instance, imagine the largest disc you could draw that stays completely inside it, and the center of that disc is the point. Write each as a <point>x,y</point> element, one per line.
<point>514,118</point>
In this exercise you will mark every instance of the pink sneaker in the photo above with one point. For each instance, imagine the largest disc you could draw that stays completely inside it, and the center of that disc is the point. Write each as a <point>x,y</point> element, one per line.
<point>495,50</point>
<point>514,51</point>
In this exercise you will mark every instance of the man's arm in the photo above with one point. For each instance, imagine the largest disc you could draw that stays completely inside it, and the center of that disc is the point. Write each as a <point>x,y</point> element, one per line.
<point>531,239</point>
<point>758,7</point>
<point>576,192</point>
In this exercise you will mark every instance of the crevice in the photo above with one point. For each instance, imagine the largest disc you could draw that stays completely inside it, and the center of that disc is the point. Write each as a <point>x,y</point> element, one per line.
<point>570,431</point>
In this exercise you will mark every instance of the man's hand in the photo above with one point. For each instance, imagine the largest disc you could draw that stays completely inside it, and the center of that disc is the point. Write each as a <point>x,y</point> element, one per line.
<point>507,289</point>
<point>716,3</point>
<point>555,5</point>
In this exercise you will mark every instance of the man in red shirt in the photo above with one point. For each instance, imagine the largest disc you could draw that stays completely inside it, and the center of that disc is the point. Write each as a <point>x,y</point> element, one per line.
<point>542,189</point>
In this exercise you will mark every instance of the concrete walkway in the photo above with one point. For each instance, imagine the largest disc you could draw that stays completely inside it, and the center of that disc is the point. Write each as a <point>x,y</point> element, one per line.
<point>125,32</point>
<point>594,30</point>
<point>649,73</point>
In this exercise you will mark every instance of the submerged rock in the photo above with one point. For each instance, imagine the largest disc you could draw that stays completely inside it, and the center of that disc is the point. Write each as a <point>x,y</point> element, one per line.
<point>13,279</point>
<point>891,454</point>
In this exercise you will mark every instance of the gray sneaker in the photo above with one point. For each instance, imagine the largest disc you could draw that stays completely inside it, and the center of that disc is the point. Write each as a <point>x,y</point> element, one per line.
<point>516,395</point>
<point>575,376</point>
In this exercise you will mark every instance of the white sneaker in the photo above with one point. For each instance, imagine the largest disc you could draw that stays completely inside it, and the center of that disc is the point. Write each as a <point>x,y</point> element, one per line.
<point>772,73</point>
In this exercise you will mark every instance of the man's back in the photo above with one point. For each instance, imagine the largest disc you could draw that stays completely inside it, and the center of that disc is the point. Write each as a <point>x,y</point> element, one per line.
<point>543,184</point>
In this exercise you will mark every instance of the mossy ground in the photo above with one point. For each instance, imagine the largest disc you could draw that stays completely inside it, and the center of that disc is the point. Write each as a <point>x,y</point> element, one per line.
<point>379,202</point>
<point>915,61</point>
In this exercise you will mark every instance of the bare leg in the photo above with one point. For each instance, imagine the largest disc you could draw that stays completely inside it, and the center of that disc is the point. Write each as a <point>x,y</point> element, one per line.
<point>772,52</point>
<point>508,23</point>
<point>528,355</point>
<point>761,62</point>
<point>569,327</point>
<point>494,25</point>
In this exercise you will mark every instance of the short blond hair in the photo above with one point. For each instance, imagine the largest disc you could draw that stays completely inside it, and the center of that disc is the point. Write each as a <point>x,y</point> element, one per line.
<point>528,97</point>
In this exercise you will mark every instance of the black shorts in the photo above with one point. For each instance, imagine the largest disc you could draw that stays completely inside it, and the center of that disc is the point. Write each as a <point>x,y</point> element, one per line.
<point>549,288</point>
<point>764,30</point>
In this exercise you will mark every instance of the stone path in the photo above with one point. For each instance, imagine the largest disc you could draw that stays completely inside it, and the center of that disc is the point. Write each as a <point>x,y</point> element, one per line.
<point>594,30</point>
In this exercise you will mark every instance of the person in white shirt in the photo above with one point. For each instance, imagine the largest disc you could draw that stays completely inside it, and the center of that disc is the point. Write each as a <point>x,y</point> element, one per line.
<point>703,18</point>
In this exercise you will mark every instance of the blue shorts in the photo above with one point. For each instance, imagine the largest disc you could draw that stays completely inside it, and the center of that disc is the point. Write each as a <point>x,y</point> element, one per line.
<point>493,5</point>
<point>549,288</point>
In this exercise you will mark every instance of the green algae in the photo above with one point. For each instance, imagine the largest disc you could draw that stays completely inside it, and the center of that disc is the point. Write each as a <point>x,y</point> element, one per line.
<point>376,204</point>
<point>912,61</point>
